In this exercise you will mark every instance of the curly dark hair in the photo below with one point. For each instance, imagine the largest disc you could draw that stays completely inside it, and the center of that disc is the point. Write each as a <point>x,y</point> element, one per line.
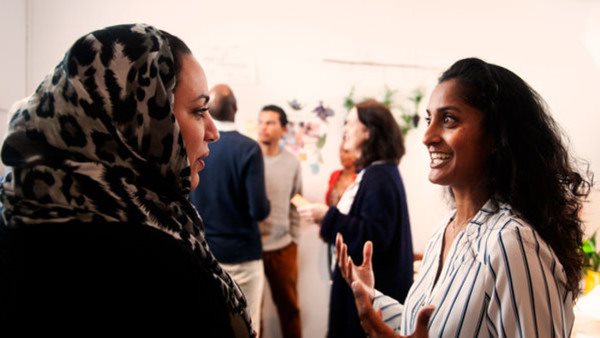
<point>530,167</point>
<point>385,142</point>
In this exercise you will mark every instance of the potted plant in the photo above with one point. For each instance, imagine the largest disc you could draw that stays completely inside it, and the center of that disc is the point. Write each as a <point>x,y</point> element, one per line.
<point>591,263</point>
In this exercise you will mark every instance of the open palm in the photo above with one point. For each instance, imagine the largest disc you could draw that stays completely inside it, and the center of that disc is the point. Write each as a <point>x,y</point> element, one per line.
<point>363,273</point>
<point>362,281</point>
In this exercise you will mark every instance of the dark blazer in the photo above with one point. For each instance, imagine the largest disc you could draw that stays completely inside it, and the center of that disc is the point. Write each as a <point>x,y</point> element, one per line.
<point>100,277</point>
<point>232,198</point>
<point>378,213</point>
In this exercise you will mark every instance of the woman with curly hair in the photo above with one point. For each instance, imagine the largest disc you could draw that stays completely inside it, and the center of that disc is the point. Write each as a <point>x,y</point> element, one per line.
<point>506,261</point>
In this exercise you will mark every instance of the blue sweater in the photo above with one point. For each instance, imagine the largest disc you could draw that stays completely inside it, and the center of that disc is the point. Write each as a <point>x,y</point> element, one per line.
<point>378,213</point>
<point>231,198</point>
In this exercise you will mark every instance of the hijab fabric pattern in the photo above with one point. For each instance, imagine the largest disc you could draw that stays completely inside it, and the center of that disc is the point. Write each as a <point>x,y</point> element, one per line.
<point>98,142</point>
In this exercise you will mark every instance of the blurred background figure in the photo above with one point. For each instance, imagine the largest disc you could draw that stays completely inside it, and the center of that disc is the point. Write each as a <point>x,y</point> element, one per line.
<point>280,231</point>
<point>232,200</point>
<point>373,208</point>
<point>340,179</point>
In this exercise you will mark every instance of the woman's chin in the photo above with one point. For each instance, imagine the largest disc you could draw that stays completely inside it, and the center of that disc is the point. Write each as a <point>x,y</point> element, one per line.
<point>194,181</point>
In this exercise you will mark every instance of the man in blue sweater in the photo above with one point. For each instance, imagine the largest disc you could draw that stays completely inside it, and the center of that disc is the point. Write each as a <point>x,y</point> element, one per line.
<point>232,200</point>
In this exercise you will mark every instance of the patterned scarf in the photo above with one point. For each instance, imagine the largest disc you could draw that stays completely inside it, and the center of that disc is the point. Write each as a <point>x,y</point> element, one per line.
<point>98,141</point>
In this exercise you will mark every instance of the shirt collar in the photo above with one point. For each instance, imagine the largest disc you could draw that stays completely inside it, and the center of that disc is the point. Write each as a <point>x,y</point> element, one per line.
<point>225,125</point>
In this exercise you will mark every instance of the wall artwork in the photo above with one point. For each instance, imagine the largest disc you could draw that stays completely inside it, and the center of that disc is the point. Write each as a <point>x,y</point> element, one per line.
<point>307,132</point>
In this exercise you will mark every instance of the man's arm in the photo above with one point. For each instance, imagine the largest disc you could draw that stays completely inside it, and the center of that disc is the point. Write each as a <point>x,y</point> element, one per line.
<point>255,185</point>
<point>294,216</point>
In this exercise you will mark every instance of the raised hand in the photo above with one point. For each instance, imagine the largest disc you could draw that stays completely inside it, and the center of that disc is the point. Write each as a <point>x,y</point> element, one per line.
<point>362,281</point>
<point>362,274</point>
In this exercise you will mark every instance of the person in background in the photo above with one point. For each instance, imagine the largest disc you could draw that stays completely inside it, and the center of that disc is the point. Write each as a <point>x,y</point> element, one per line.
<point>340,179</point>
<point>99,232</point>
<point>373,208</point>
<point>232,199</point>
<point>279,232</point>
<point>506,261</point>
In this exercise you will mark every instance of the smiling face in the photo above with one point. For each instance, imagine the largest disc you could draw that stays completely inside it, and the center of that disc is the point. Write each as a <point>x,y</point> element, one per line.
<point>191,111</point>
<point>455,139</point>
<point>355,133</point>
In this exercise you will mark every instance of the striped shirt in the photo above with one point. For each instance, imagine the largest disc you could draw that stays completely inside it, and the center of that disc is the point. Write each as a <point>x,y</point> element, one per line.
<point>500,279</point>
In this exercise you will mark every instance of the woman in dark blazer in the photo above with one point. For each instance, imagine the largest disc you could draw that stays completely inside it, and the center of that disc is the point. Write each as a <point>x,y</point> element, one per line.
<point>372,208</point>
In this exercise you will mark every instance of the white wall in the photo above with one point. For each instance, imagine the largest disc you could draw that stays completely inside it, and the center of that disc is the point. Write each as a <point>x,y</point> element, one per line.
<point>13,56</point>
<point>272,51</point>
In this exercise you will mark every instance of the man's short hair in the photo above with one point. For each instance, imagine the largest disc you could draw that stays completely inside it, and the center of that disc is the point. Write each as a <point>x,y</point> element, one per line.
<point>282,116</point>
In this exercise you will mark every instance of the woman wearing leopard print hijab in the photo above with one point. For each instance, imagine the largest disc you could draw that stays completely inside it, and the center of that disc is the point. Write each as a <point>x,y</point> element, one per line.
<point>98,227</point>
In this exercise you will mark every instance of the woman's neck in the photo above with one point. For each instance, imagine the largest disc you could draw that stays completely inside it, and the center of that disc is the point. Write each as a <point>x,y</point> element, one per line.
<point>348,171</point>
<point>468,204</point>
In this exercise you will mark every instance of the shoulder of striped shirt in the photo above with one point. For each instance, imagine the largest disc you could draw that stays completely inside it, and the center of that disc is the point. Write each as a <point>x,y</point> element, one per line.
<point>511,232</point>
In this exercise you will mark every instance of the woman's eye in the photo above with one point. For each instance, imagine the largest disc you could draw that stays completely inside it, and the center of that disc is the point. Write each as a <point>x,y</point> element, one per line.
<point>449,119</point>
<point>428,120</point>
<point>200,112</point>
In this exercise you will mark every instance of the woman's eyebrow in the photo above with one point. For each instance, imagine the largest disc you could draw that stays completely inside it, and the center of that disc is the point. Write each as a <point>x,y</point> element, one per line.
<point>203,97</point>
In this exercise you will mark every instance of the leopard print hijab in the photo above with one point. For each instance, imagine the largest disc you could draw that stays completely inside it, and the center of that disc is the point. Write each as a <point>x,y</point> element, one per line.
<point>98,141</point>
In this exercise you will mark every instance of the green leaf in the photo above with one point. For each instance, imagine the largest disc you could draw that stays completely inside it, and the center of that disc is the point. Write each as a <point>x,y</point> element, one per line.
<point>321,141</point>
<point>591,256</point>
<point>349,99</point>
<point>588,247</point>
<point>388,97</point>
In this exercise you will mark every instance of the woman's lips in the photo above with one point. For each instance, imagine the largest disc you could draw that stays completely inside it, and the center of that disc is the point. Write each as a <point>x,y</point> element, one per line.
<point>200,161</point>
<point>201,164</point>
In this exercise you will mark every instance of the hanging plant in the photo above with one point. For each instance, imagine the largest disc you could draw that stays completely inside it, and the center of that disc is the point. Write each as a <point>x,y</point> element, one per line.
<point>408,119</point>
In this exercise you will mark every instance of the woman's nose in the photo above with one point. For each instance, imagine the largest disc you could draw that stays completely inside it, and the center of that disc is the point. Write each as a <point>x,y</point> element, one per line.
<point>431,135</point>
<point>211,134</point>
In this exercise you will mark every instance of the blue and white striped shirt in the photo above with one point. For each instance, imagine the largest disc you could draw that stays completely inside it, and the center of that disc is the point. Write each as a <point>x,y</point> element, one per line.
<point>500,279</point>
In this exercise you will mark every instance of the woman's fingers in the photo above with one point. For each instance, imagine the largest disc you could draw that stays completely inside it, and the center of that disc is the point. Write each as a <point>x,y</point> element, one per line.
<point>423,318</point>
<point>339,240</point>
<point>304,212</point>
<point>346,261</point>
<point>312,212</point>
<point>367,255</point>
<point>342,258</point>
<point>350,268</point>
<point>339,243</point>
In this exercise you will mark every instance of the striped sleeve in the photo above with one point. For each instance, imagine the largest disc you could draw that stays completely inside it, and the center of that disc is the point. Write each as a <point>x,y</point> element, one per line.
<point>391,310</point>
<point>527,294</point>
